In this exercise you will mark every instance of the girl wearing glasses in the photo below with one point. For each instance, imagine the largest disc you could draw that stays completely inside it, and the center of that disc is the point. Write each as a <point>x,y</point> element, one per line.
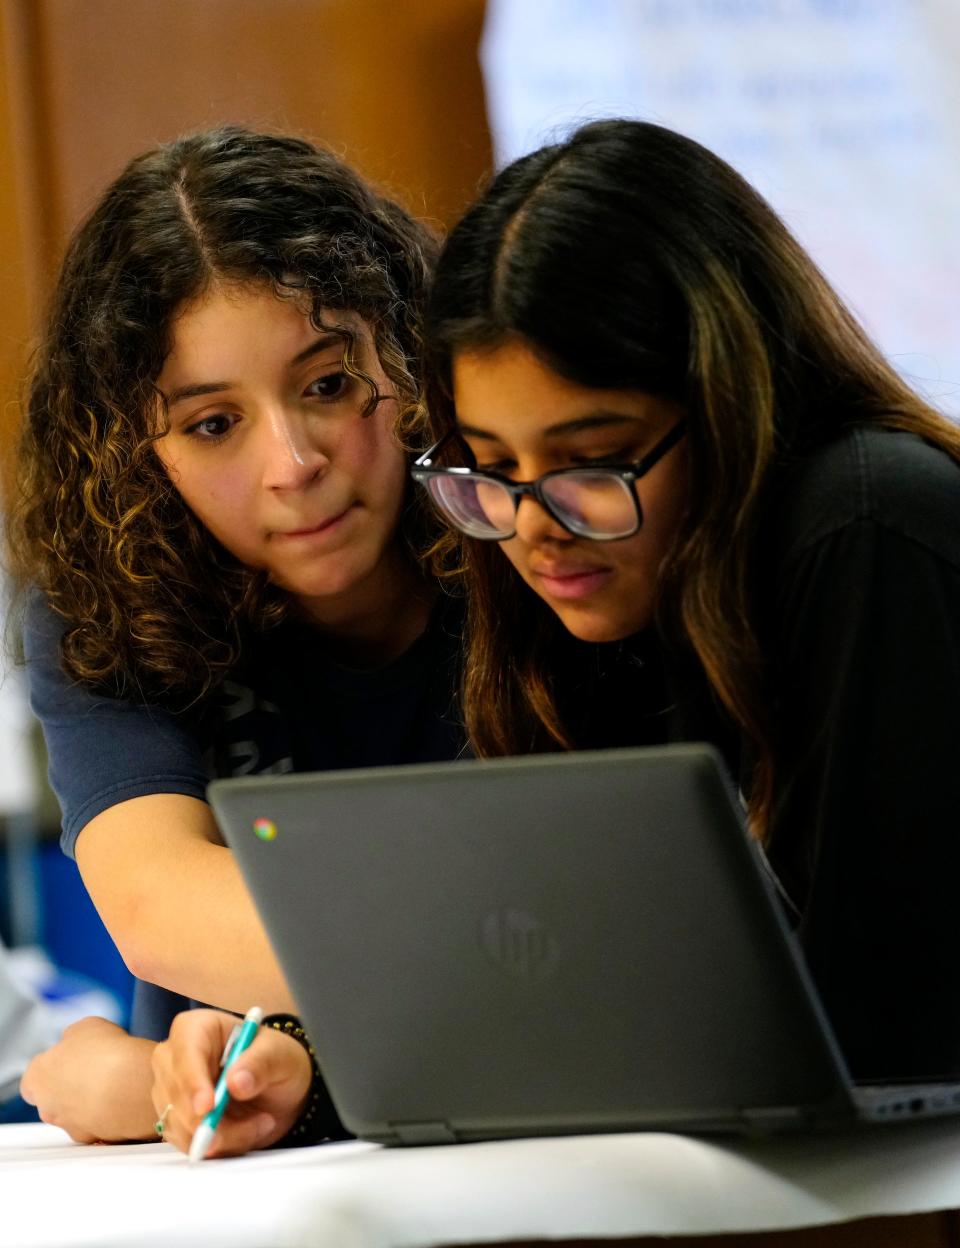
<point>699,504</point>
<point>221,549</point>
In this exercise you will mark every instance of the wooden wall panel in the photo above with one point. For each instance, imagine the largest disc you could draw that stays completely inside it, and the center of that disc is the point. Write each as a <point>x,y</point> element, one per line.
<point>19,246</point>
<point>395,87</point>
<point>87,84</point>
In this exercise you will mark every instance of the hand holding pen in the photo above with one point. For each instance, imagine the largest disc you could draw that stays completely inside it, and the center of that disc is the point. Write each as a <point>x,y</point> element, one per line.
<point>268,1083</point>
<point>238,1042</point>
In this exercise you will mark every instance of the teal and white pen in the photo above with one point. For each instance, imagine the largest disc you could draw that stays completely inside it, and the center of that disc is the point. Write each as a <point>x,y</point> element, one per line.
<point>240,1040</point>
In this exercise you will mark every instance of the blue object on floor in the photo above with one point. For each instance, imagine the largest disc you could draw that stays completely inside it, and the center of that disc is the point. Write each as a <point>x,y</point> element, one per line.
<point>17,1110</point>
<point>73,933</point>
<point>70,928</point>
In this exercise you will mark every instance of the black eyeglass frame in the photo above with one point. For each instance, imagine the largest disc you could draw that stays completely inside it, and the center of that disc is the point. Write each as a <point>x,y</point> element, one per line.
<point>424,469</point>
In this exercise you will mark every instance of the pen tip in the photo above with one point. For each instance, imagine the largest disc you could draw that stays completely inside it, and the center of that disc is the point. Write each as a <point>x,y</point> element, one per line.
<point>200,1144</point>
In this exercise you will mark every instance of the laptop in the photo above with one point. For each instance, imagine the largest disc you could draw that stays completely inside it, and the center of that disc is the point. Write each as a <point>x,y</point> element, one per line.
<point>555,944</point>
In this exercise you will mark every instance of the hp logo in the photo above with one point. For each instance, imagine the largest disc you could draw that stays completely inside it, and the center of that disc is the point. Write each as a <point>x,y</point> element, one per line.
<point>519,945</point>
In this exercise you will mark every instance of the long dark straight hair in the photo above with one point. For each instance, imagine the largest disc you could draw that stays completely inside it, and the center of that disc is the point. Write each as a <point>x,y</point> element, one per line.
<point>632,257</point>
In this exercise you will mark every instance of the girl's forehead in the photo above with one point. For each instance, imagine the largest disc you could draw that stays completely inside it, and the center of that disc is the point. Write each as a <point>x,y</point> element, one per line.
<point>505,376</point>
<point>509,392</point>
<point>239,329</point>
<point>230,301</point>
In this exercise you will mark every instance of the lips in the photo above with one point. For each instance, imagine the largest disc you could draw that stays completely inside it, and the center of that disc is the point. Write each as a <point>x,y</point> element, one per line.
<point>570,581</point>
<point>560,571</point>
<point>312,530</point>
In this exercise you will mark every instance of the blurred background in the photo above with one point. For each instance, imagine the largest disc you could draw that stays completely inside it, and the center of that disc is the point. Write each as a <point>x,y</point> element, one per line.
<point>845,114</point>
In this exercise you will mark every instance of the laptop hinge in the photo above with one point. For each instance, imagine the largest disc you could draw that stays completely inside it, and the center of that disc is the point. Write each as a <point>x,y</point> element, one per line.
<point>423,1132</point>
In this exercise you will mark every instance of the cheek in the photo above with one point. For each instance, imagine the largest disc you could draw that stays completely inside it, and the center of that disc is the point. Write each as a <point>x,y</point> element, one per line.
<point>378,462</point>
<point>220,505</point>
<point>636,561</point>
<point>669,496</point>
<point>513,551</point>
<point>640,559</point>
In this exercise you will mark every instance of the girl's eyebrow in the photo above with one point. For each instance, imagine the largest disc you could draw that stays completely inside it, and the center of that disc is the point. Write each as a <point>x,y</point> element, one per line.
<point>601,419</point>
<point>592,420</point>
<point>179,393</point>
<point>322,343</point>
<point>193,392</point>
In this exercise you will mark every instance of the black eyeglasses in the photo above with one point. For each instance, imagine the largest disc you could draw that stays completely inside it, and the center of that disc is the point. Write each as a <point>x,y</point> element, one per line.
<point>599,502</point>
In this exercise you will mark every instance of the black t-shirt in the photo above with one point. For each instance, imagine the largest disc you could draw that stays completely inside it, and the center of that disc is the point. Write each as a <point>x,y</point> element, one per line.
<point>862,569</point>
<point>858,580</point>
<point>294,708</point>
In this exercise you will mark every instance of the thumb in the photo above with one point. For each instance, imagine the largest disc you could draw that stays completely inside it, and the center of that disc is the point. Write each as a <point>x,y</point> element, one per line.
<point>272,1059</point>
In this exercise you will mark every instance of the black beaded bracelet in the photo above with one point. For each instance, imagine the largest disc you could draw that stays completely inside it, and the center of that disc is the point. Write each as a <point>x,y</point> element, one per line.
<point>318,1120</point>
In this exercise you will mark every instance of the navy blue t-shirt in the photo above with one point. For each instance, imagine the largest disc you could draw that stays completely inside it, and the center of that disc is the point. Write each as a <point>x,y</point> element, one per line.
<point>290,708</point>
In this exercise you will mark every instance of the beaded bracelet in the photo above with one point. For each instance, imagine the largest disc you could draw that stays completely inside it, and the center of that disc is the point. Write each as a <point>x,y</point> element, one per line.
<point>318,1119</point>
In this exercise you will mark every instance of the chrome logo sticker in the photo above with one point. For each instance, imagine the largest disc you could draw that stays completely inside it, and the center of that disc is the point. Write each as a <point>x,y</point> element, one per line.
<point>265,829</point>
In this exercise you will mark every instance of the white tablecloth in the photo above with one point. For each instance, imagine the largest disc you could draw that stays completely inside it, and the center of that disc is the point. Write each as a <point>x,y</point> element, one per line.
<point>54,1194</point>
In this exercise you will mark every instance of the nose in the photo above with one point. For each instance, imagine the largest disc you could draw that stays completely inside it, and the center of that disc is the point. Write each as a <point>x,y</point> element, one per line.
<point>292,457</point>
<point>535,525</point>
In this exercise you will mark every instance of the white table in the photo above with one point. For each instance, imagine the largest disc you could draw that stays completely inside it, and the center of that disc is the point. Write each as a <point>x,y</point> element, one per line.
<point>55,1194</point>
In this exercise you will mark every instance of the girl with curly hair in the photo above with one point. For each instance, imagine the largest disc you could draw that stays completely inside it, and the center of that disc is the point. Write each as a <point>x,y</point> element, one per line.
<point>221,554</point>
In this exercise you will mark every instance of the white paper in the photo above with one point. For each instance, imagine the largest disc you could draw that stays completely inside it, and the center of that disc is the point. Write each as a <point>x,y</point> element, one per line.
<point>357,1195</point>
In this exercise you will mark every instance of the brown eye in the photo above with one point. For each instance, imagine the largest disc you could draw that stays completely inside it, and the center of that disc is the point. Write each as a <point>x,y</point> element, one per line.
<point>212,428</point>
<point>329,388</point>
<point>623,456</point>
<point>501,466</point>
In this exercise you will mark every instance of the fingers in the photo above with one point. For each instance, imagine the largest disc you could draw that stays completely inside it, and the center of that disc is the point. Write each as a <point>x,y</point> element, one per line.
<point>274,1066</point>
<point>35,1089</point>
<point>90,1083</point>
<point>28,1084</point>
<point>268,1084</point>
<point>40,1080</point>
<point>239,1131</point>
<point>197,1042</point>
<point>242,1131</point>
<point>185,1068</point>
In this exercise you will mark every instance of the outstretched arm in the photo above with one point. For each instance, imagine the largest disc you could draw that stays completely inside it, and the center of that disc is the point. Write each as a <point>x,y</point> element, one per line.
<point>173,899</point>
<point>130,780</point>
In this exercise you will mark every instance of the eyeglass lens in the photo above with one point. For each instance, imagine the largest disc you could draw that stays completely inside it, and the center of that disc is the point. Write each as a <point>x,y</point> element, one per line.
<point>480,508</point>
<point>592,504</point>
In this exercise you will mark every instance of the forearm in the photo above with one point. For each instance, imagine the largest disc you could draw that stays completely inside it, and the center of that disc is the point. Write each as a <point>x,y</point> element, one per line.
<point>176,905</point>
<point>202,936</point>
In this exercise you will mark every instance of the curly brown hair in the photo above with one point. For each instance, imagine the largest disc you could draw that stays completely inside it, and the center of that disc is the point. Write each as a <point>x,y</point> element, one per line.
<point>154,607</point>
<point>632,257</point>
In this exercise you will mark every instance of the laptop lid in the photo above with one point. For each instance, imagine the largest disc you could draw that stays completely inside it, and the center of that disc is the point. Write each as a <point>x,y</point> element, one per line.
<point>556,943</point>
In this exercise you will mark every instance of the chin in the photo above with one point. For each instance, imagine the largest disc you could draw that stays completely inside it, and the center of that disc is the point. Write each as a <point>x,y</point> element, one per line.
<point>324,582</point>
<point>596,628</point>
